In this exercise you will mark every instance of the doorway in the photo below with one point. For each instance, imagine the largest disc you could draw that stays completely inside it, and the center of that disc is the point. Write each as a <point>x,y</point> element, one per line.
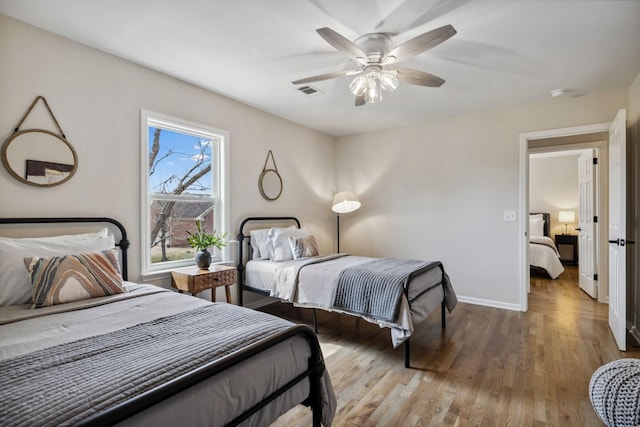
<point>580,137</point>
<point>563,185</point>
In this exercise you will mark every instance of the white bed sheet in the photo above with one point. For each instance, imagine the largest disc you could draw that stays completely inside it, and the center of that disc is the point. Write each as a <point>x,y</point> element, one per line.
<point>214,401</point>
<point>542,255</point>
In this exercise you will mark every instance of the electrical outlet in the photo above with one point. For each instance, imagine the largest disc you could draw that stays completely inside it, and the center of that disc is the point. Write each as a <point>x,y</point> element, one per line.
<point>509,216</point>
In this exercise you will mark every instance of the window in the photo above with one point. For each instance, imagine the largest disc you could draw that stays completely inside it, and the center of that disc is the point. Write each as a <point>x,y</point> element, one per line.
<point>183,180</point>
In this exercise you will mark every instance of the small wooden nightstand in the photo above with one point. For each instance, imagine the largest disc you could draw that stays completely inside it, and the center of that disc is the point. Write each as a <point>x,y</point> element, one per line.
<point>194,280</point>
<point>567,245</point>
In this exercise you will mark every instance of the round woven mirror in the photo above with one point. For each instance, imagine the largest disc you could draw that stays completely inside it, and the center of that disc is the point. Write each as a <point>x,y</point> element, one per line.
<point>270,184</point>
<point>39,157</point>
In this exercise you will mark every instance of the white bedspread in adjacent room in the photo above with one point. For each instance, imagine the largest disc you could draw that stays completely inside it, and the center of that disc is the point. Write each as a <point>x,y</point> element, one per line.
<point>544,254</point>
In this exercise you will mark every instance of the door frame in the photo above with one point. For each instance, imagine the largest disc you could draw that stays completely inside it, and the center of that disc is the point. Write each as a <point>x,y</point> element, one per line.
<point>523,201</point>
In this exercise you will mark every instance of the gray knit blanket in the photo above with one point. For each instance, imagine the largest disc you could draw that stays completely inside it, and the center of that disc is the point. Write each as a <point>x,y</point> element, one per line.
<point>614,390</point>
<point>375,288</point>
<point>67,383</point>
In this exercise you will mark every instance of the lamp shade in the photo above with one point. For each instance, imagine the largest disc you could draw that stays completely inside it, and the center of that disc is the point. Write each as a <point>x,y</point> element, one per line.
<point>566,216</point>
<point>345,201</point>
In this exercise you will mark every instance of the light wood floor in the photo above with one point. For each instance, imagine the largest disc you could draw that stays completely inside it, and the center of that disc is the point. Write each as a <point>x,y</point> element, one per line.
<point>490,367</point>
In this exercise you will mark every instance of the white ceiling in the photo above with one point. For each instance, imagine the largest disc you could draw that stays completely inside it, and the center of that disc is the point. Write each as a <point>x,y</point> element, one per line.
<point>506,52</point>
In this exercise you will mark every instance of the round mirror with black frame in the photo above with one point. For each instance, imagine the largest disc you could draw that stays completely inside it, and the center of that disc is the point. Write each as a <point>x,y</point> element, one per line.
<point>39,157</point>
<point>270,184</point>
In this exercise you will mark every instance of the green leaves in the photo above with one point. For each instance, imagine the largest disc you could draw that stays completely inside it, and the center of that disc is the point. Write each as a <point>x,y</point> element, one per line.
<point>201,240</point>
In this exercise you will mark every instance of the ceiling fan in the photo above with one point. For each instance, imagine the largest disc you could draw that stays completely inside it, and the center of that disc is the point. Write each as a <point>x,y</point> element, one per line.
<point>375,54</point>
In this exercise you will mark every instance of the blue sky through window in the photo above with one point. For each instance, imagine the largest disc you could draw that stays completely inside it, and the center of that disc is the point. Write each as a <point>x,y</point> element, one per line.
<point>176,158</point>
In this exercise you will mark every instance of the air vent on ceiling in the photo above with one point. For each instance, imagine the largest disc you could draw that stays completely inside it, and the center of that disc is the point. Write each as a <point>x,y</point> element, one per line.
<point>309,90</point>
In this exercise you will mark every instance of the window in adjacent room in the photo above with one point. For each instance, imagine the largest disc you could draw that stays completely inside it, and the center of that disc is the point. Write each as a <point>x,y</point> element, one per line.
<point>183,180</point>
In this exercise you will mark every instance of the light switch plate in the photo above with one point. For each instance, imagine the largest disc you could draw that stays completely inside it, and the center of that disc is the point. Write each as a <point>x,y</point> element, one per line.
<point>509,216</point>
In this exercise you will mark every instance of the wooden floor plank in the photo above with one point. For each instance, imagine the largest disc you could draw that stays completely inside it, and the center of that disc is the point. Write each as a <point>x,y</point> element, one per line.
<point>490,367</point>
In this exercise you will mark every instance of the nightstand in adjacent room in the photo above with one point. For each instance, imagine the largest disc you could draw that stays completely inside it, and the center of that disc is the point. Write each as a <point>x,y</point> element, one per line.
<point>194,280</point>
<point>567,245</point>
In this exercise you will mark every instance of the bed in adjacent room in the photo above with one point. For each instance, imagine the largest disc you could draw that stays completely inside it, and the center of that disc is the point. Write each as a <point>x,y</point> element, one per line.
<point>543,253</point>
<point>283,262</point>
<point>81,345</point>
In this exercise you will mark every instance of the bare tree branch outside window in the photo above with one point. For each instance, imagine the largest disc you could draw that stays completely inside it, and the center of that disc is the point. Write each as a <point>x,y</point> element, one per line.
<point>179,164</point>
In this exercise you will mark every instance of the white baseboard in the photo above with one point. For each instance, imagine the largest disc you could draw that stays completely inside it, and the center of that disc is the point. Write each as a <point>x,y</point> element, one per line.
<point>489,303</point>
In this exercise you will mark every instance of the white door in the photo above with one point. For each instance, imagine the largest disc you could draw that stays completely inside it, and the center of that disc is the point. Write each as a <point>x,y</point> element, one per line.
<point>586,243</point>
<point>617,229</point>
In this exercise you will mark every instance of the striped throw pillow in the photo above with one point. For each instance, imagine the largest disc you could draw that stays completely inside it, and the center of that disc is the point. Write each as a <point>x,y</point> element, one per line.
<point>67,278</point>
<point>303,246</point>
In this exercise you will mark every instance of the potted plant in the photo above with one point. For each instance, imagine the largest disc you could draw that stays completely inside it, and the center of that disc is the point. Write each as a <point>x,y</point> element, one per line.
<point>202,241</point>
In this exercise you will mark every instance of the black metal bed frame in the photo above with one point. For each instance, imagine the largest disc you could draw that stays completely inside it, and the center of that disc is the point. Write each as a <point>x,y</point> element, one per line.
<point>124,410</point>
<point>273,219</point>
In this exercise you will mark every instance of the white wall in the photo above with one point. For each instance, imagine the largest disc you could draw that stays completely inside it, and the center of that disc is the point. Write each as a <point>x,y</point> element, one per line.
<point>97,100</point>
<point>438,190</point>
<point>553,187</point>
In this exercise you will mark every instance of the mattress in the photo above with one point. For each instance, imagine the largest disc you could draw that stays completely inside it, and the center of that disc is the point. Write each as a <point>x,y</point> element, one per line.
<point>316,282</point>
<point>214,401</point>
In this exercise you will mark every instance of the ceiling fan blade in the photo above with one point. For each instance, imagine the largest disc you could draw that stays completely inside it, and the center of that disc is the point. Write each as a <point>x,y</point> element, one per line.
<point>342,44</point>
<point>327,76</point>
<point>419,78</point>
<point>419,44</point>
<point>360,100</point>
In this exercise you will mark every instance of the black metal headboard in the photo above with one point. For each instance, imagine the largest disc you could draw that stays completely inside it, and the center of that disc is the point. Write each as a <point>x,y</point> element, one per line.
<point>123,243</point>
<point>241,238</point>
<point>547,224</point>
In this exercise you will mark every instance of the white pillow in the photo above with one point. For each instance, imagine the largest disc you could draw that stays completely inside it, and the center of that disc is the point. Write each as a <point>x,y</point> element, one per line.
<point>536,227</point>
<point>15,283</point>
<point>260,243</point>
<point>280,249</point>
<point>536,217</point>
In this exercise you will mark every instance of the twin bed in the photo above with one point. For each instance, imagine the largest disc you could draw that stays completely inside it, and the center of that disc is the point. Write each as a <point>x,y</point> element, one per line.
<point>396,294</point>
<point>81,345</point>
<point>142,355</point>
<point>543,253</point>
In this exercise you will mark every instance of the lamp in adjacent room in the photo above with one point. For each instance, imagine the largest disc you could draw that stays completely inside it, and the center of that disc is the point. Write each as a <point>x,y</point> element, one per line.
<point>566,217</point>
<point>344,202</point>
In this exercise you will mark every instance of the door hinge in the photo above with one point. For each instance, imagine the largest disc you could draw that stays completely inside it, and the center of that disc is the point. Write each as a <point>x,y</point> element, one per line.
<point>595,160</point>
<point>595,277</point>
<point>595,218</point>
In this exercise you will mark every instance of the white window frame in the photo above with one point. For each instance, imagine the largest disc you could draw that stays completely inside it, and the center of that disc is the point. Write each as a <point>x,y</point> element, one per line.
<point>219,185</point>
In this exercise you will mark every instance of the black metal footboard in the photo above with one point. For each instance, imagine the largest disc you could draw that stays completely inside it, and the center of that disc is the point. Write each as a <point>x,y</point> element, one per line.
<point>407,285</point>
<point>314,372</point>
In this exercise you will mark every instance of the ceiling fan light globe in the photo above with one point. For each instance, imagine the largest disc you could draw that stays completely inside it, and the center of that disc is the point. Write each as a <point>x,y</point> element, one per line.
<point>358,85</point>
<point>374,90</point>
<point>389,81</point>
